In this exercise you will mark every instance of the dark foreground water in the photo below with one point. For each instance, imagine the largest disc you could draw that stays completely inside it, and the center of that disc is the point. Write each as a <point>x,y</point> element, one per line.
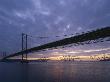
<point>55,72</point>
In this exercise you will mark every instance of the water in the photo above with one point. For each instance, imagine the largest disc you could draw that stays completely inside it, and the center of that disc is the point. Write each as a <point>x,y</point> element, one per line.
<point>55,72</point>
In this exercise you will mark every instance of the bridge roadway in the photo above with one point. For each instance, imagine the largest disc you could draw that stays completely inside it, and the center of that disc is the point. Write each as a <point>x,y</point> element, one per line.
<point>92,35</point>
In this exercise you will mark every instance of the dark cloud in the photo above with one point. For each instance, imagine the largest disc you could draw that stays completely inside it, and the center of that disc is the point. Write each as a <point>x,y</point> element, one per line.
<point>49,18</point>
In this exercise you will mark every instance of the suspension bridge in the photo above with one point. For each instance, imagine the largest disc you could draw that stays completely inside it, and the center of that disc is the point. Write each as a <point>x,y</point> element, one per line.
<point>90,37</point>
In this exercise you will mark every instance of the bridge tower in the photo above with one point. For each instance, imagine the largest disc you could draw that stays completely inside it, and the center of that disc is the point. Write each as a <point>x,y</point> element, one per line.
<point>24,46</point>
<point>4,54</point>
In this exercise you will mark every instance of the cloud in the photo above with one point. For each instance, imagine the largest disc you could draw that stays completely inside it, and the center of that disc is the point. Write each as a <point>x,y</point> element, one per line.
<point>59,19</point>
<point>68,26</point>
<point>41,8</point>
<point>88,51</point>
<point>51,18</point>
<point>62,2</point>
<point>25,15</point>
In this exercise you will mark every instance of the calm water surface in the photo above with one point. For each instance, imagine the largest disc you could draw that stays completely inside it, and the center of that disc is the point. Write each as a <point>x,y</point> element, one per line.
<point>55,72</point>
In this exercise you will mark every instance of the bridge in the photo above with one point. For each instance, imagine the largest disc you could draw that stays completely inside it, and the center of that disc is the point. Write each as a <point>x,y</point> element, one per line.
<point>85,38</point>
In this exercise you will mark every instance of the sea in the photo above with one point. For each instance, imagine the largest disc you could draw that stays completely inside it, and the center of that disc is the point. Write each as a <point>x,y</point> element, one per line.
<point>78,71</point>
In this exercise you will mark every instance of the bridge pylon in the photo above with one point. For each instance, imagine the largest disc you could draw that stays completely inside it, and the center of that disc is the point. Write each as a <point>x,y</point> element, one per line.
<point>24,47</point>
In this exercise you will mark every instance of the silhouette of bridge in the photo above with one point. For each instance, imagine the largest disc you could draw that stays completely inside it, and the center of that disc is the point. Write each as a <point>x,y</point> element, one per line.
<point>85,38</point>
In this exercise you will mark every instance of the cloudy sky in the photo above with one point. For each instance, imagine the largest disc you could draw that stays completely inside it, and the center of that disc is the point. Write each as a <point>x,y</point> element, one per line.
<point>50,18</point>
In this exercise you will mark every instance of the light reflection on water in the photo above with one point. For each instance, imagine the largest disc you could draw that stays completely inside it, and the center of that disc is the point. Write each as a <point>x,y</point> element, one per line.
<point>55,72</point>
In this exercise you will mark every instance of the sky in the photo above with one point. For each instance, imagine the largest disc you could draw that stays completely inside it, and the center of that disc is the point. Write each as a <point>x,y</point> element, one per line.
<point>50,18</point>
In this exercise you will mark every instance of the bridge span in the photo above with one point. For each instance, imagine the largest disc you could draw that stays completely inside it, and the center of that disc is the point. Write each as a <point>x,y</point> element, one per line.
<point>91,35</point>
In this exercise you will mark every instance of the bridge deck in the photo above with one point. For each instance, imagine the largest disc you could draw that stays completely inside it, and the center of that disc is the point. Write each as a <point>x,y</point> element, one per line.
<point>93,35</point>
